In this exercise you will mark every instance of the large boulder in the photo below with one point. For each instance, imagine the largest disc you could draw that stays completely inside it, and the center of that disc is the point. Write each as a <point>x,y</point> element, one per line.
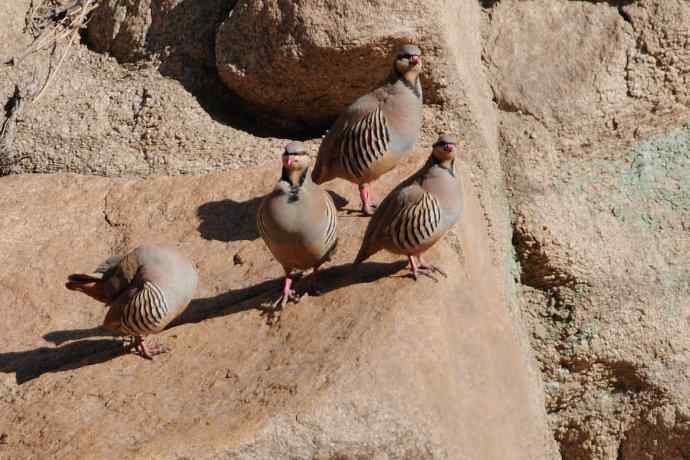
<point>379,366</point>
<point>306,61</point>
<point>134,29</point>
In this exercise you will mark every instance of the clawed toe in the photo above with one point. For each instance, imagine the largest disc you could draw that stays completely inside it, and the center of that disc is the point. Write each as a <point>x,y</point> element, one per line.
<point>283,300</point>
<point>369,210</point>
<point>147,351</point>
<point>428,273</point>
<point>433,269</point>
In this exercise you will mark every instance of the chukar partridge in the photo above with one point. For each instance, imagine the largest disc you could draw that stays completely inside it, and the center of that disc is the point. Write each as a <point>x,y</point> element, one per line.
<point>297,221</point>
<point>377,130</point>
<point>145,289</point>
<point>417,213</point>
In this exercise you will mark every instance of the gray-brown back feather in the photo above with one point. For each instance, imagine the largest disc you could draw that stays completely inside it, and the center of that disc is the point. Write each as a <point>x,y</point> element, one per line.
<point>300,232</point>
<point>150,287</point>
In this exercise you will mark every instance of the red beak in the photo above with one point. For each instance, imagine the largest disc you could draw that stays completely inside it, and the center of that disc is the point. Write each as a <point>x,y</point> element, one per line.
<point>450,148</point>
<point>414,60</point>
<point>290,160</point>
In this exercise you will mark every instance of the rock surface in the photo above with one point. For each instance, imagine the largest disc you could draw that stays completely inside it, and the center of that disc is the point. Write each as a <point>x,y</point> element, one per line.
<point>574,120</point>
<point>311,59</point>
<point>593,129</point>
<point>355,373</point>
<point>169,30</point>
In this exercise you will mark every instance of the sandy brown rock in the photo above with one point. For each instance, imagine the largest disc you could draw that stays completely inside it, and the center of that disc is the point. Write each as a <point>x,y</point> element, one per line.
<point>311,59</point>
<point>97,117</point>
<point>596,150</point>
<point>351,374</point>
<point>169,30</point>
<point>573,118</point>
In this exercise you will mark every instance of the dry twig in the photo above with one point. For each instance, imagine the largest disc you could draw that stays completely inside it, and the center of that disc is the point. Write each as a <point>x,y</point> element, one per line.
<point>53,23</point>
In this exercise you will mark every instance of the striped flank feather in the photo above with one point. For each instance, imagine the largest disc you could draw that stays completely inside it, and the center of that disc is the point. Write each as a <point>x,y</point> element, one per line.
<point>145,312</point>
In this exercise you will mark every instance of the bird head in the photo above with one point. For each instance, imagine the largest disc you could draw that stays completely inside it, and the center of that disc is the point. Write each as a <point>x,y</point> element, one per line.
<point>445,148</point>
<point>295,158</point>
<point>408,62</point>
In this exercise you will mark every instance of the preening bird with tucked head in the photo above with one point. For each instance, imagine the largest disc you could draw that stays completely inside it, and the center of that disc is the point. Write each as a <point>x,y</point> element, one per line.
<point>144,289</point>
<point>377,130</point>
<point>419,211</point>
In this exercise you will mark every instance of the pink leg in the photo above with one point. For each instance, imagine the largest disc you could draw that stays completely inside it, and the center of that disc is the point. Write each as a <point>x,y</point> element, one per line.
<point>367,207</point>
<point>413,264</point>
<point>147,351</point>
<point>288,294</point>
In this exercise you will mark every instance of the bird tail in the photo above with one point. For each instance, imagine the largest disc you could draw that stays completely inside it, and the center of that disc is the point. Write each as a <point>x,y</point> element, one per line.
<point>91,285</point>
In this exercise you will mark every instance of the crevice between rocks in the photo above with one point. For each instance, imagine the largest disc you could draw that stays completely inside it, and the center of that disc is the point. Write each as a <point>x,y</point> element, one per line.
<point>13,108</point>
<point>535,268</point>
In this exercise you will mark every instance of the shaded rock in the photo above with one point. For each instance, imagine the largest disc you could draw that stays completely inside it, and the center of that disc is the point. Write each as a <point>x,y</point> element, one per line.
<point>379,366</point>
<point>100,118</point>
<point>169,29</point>
<point>306,61</point>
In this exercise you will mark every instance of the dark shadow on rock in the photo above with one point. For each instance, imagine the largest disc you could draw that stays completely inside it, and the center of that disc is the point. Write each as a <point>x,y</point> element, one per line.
<point>339,200</point>
<point>28,365</point>
<point>228,303</point>
<point>488,3</point>
<point>60,337</point>
<point>229,220</point>
<point>346,275</point>
<point>256,297</point>
<point>185,39</point>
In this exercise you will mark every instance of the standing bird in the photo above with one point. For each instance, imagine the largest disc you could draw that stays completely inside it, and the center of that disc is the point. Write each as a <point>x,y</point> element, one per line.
<point>145,290</point>
<point>297,221</point>
<point>417,213</point>
<point>376,131</point>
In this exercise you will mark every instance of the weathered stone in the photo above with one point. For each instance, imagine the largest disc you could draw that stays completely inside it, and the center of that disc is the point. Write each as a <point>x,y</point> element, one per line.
<point>596,150</point>
<point>306,61</point>
<point>168,29</point>
<point>356,373</point>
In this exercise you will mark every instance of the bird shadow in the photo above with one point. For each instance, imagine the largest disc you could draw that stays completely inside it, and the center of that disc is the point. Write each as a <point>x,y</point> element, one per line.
<point>28,365</point>
<point>258,296</point>
<point>229,220</point>
<point>339,200</point>
<point>60,337</point>
<point>87,351</point>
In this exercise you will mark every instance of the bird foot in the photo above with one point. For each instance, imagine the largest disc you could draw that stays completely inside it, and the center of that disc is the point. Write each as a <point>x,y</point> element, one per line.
<point>148,351</point>
<point>288,296</point>
<point>429,271</point>
<point>368,210</point>
<point>433,269</point>
<point>273,310</point>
